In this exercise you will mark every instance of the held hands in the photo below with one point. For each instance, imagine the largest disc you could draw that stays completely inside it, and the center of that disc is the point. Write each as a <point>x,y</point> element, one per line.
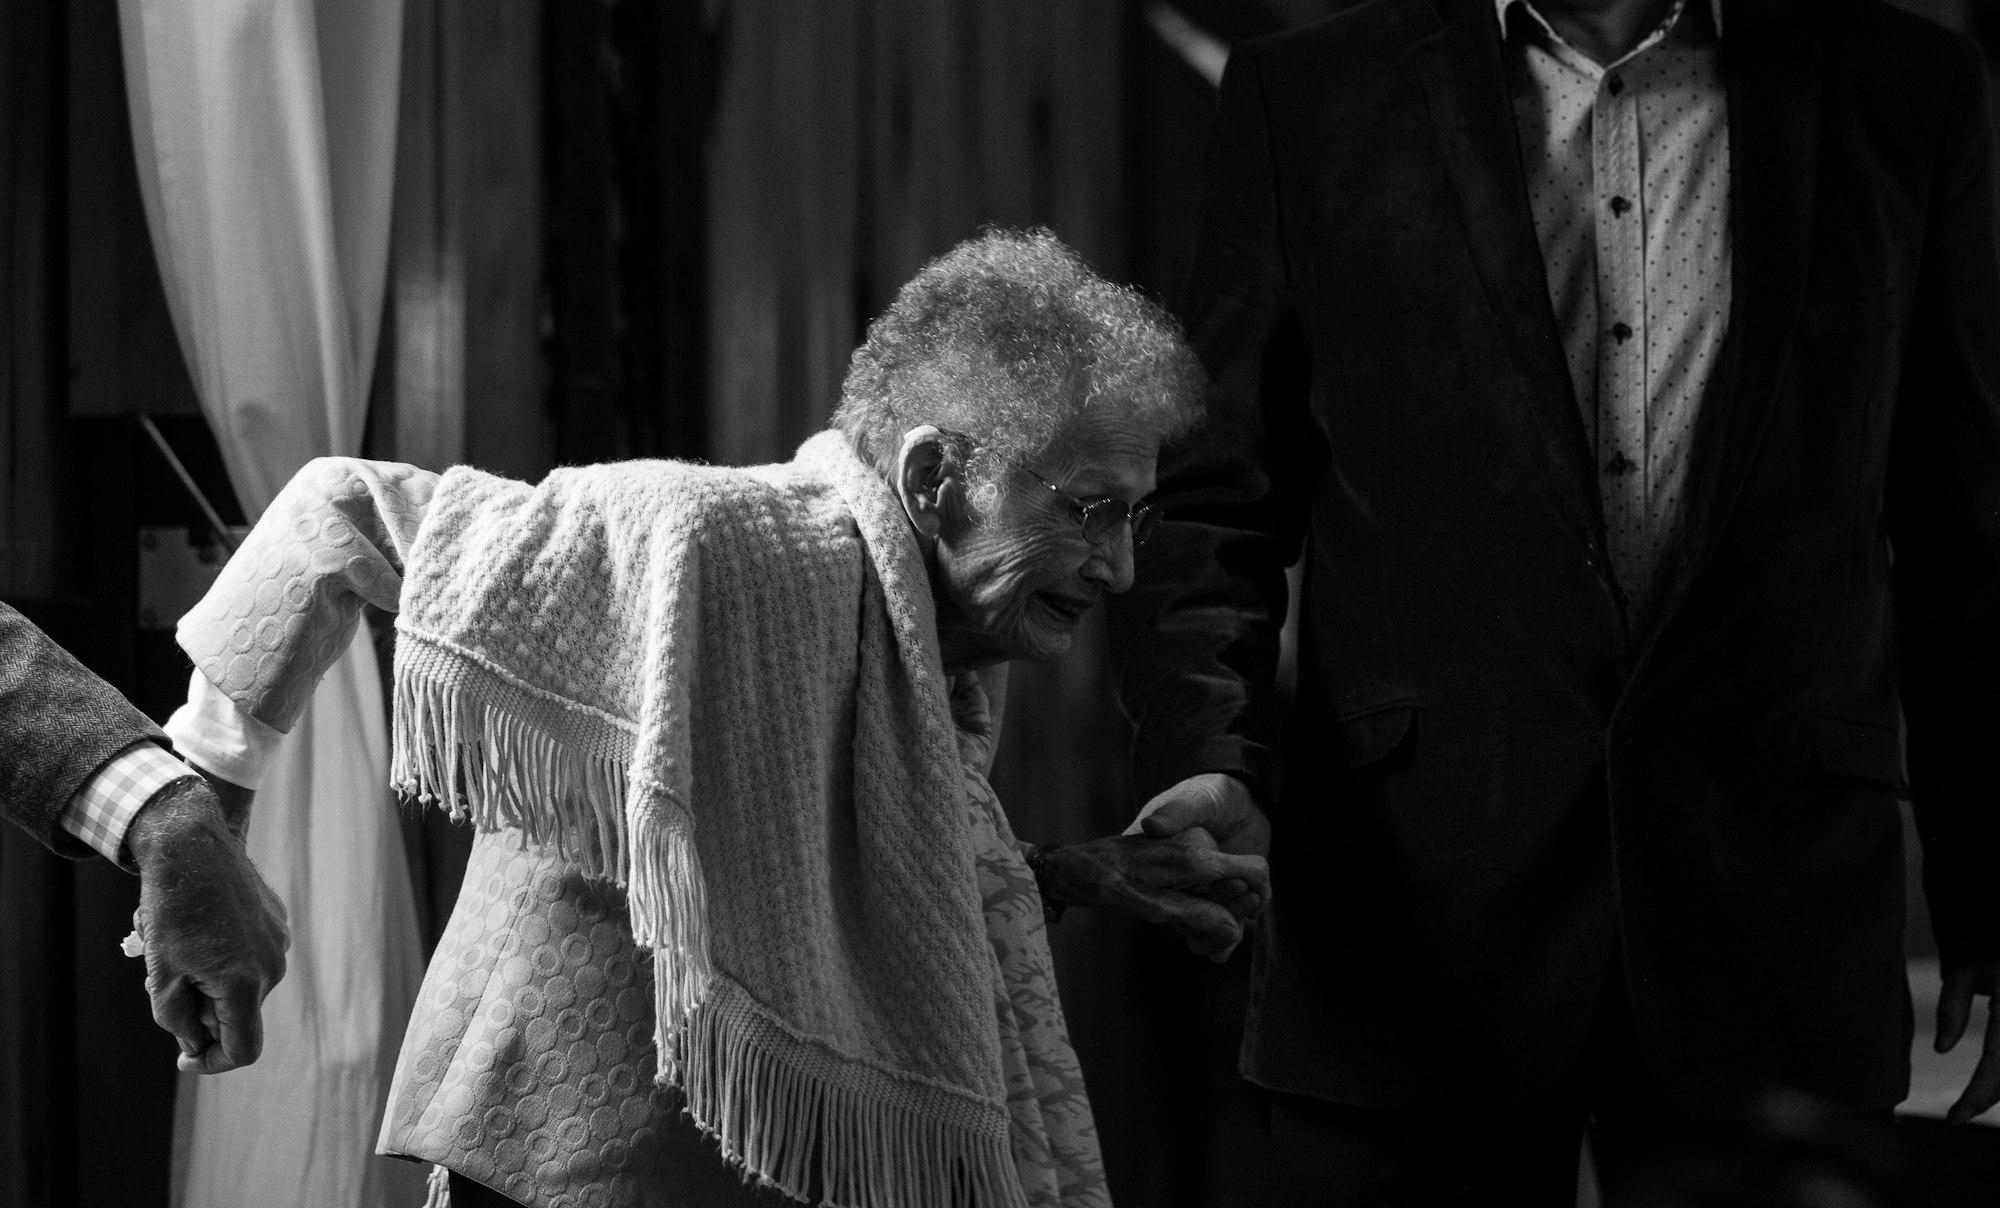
<point>1961,982</point>
<point>215,934</point>
<point>1222,806</point>
<point>1176,872</point>
<point>1218,803</point>
<point>1198,865</point>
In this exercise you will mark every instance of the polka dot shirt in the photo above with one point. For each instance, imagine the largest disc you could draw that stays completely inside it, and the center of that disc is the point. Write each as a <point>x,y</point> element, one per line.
<point>1628,176</point>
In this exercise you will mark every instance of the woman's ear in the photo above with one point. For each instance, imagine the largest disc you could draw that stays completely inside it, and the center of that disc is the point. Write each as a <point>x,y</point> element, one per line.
<point>923,475</point>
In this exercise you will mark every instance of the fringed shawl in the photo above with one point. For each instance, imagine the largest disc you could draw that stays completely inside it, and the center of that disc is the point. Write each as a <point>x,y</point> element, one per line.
<point>721,690</point>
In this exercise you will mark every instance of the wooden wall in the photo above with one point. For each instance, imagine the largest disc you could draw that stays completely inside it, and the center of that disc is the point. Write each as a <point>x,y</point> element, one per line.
<point>31,886</point>
<point>853,140</point>
<point>463,372</point>
<point>29,191</point>
<point>630,92</point>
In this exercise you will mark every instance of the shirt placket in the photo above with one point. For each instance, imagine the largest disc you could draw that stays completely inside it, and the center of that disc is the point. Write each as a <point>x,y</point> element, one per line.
<point>1619,211</point>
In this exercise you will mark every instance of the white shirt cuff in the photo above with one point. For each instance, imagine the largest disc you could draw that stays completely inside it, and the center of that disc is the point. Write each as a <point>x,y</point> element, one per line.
<point>214,734</point>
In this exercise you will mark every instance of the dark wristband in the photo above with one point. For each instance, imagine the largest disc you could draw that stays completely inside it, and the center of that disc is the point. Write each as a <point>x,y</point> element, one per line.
<point>1052,910</point>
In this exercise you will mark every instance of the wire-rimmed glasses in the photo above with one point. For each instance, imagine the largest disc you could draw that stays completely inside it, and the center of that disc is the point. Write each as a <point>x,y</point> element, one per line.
<point>1101,516</point>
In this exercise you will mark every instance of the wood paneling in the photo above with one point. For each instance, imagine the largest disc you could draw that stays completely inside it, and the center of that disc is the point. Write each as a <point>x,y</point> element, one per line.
<point>425,349</point>
<point>783,200</point>
<point>854,141</point>
<point>629,98</point>
<point>124,358</point>
<point>29,110</point>
<point>466,261</point>
<point>493,197</point>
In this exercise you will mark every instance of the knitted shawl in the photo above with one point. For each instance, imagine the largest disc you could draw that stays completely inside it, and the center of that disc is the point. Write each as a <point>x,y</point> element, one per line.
<point>721,690</point>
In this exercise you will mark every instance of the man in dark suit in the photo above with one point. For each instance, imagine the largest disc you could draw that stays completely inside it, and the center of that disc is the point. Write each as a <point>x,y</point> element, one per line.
<point>82,770</point>
<point>1626,376</point>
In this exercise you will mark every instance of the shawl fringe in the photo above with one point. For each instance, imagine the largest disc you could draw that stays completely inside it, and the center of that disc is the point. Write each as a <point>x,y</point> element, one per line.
<point>769,1097</point>
<point>750,1083</point>
<point>461,743</point>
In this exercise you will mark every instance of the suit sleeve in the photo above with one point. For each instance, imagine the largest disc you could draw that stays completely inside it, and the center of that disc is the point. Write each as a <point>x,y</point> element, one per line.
<point>1196,639</point>
<point>1943,512</point>
<point>59,724</point>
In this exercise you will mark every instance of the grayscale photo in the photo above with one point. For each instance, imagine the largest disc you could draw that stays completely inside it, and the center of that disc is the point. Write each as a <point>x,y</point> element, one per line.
<point>999,604</point>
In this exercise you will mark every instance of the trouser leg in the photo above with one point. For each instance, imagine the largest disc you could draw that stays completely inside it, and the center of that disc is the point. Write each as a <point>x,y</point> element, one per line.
<point>1647,1151</point>
<point>1787,1149</point>
<point>1331,1155</point>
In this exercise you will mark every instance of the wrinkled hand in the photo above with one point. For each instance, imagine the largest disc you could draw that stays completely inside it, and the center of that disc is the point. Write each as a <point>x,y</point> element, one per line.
<point>1182,880</point>
<point>235,801</point>
<point>1961,982</point>
<point>215,934</point>
<point>1216,802</point>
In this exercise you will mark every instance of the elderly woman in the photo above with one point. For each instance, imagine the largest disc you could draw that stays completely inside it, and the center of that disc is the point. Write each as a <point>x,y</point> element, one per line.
<point>743,920</point>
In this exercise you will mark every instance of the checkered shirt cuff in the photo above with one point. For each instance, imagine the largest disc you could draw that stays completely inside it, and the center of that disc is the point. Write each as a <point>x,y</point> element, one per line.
<point>102,810</point>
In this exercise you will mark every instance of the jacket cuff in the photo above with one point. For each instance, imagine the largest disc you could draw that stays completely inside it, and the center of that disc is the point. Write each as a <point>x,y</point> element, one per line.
<point>1251,762</point>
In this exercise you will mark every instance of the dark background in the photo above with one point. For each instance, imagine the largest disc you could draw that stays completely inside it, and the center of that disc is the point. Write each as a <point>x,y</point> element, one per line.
<point>623,228</point>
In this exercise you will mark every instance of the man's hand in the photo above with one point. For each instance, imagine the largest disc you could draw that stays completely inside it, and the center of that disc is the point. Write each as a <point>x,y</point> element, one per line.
<point>235,801</point>
<point>215,934</point>
<point>1961,982</point>
<point>1183,880</point>
<point>1217,803</point>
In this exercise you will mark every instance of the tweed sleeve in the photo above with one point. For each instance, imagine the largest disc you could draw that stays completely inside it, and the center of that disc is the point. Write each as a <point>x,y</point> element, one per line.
<point>288,602</point>
<point>59,724</point>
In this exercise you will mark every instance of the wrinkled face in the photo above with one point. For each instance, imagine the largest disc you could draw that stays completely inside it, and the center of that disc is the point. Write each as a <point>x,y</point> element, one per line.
<point>1016,580</point>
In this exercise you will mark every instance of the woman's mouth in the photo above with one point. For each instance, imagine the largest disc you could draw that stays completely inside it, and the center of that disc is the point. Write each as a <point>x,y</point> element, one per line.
<point>1067,608</point>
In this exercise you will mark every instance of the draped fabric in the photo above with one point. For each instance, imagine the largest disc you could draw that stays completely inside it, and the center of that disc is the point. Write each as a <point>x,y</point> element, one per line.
<point>265,137</point>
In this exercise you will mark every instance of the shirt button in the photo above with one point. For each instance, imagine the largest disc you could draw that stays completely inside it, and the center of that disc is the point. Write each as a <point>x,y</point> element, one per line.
<point>1616,84</point>
<point>1619,205</point>
<point>1622,331</point>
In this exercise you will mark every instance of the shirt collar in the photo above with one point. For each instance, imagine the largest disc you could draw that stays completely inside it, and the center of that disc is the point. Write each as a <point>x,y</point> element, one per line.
<point>1502,6</point>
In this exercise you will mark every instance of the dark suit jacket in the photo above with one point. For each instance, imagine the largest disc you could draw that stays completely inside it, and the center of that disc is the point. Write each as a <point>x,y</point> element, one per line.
<point>58,725</point>
<point>1490,784</point>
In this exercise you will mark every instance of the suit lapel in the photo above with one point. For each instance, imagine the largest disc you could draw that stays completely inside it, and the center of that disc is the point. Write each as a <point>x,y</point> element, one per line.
<point>1772,61</point>
<point>1471,109</point>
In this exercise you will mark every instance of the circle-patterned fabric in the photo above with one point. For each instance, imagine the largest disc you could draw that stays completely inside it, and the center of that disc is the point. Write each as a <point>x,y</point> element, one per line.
<point>529,1061</point>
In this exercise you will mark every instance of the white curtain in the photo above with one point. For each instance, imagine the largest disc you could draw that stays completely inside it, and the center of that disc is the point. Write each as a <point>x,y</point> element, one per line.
<point>265,134</point>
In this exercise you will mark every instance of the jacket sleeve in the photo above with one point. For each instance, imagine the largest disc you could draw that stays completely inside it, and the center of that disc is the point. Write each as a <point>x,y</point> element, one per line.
<point>1196,639</point>
<point>58,725</point>
<point>1943,514</point>
<point>289,601</point>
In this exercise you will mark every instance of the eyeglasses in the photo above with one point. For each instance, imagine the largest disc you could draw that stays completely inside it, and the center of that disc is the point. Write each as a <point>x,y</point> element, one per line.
<point>1101,516</point>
